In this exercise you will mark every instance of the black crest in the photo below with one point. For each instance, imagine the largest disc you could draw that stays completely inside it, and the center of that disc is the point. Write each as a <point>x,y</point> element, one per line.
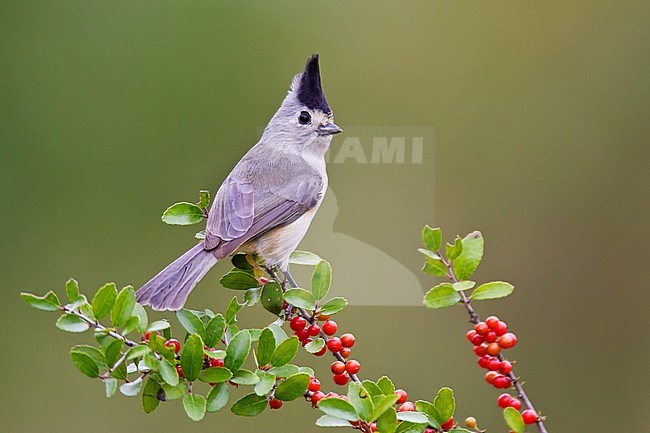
<point>310,91</point>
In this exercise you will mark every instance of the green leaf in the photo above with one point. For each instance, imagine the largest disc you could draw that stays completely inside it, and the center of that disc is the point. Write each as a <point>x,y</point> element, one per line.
<point>215,375</point>
<point>191,322</point>
<point>131,389</point>
<point>215,354</point>
<point>331,421</point>
<point>285,352</point>
<point>315,346</point>
<point>111,387</point>
<point>252,296</point>
<point>231,312</point>
<point>214,330</point>
<point>238,280</point>
<point>183,214</point>
<point>453,251</point>
<point>72,289</point>
<point>240,261</point>
<point>204,198</point>
<point>285,371</point>
<point>429,253</point>
<point>278,333</point>
<point>104,300</point>
<point>195,406</point>
<point>338,408</point>
<point>492,290</point>
<point>414,417</point>
<point>249,405</point>
<point>432,238</point>
<point>300,298</point>
<point>158,325</point>
<point>463,285</point>
<point>168,372</point>
<point>333,306</point>
<point>49,302</point>
<point>410,427</point>
<point>157,343</point>
<point>445,404</point>
<point>192,357</point>
<point>431,412</point>
<point>150,399</point>
<point>143,319</point>
<point>441,296</point>
<point>87,362</point>
<point>244,377</point>
<point>265,347</point>
<point>383,404</point>
<point>321,279</point>
<point>175,392</point>
<point>113,351</point>
<point>514,419</point>
<point>237,350</point>
<point>218,397</point>
<point>372,388</point>
<point>137,352</point>
<point>265,385</point>
<point>200,234</point>
<point>272,297</point>
<point>360,399</point>
<point>72,323</point>
<point>123,308</point>
<point>292,387</point>
<point>304,258</point>
<point>386,385</point>
<point>387,423</point>
<point>468,261</point>
<point>460,430</point>
<point>435,267</point>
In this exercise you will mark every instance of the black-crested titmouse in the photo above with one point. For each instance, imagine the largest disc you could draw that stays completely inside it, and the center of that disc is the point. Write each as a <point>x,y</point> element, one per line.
<point>267,202</point>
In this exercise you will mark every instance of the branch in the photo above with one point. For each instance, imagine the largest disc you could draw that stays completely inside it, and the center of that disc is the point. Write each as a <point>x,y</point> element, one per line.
<point>474,318</point>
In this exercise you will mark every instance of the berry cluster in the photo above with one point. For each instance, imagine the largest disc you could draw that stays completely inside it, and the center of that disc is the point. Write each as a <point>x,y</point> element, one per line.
<point>489,338</point>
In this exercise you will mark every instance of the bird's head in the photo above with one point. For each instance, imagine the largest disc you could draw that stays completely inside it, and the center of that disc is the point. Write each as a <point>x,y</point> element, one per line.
<point>304,118</point>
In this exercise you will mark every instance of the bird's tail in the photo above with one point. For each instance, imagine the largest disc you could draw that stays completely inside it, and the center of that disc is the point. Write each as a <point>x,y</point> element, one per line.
<point>170,288</point>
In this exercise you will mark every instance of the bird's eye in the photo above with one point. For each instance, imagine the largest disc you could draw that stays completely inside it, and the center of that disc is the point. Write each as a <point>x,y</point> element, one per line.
<point>304,118</point>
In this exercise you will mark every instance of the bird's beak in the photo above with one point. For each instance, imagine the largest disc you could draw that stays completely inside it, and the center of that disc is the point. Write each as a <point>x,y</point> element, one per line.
<point>329,128</point>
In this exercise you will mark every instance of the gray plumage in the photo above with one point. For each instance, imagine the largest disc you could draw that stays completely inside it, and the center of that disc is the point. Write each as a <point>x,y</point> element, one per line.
<point>267,202</point>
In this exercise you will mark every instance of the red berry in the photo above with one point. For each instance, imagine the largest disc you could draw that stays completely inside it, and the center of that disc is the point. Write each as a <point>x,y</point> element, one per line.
<point>480,350</point>
<point>352,366</point>
<point>330,327</point>
<point>501,381</point>
<point>505,367</point>
<point>429,430</point>
<point>402,396</point>
<point>529,416</point>
<point>481,328</point>
<point>373,427</point>
<point>491,337</point>
<point>470,334</point>
<point>493,349</point>
<point>179,370</point>
<point>448,424</point>
<point>345,352</point>
<point>337,367</point>
<point>341,379</point>
<point>407,407</point>
<point>172,342</point>
<point>516,404</point>
<point>306,342</point>
<point>316,397</point>
<point>313,330</point>
<point>334,344</point>
<point>347,340</point>
<point>502,328</point>
<point>302,334</point>
<point>484,361</point>
<point>494,364</point>
<point>490,375</point>
<point>314,384</point>
<point>147,335</point>
<point>322,351</point>
<point>297,324</point>
<point>332,395</point>
<point>492,322</point>
<point>504,400</point>
<point>274,403</point>
<point>216,362</point>
<point>508,340</point>
<point>477,340</point>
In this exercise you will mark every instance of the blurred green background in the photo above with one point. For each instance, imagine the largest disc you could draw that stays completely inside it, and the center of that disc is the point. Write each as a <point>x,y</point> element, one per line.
<point>110,111</point>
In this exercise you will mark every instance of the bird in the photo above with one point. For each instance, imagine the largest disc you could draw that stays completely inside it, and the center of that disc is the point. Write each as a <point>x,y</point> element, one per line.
<point>267,202</point>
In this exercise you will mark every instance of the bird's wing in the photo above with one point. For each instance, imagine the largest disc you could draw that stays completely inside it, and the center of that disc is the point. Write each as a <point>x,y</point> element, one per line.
<point>241,211</point>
